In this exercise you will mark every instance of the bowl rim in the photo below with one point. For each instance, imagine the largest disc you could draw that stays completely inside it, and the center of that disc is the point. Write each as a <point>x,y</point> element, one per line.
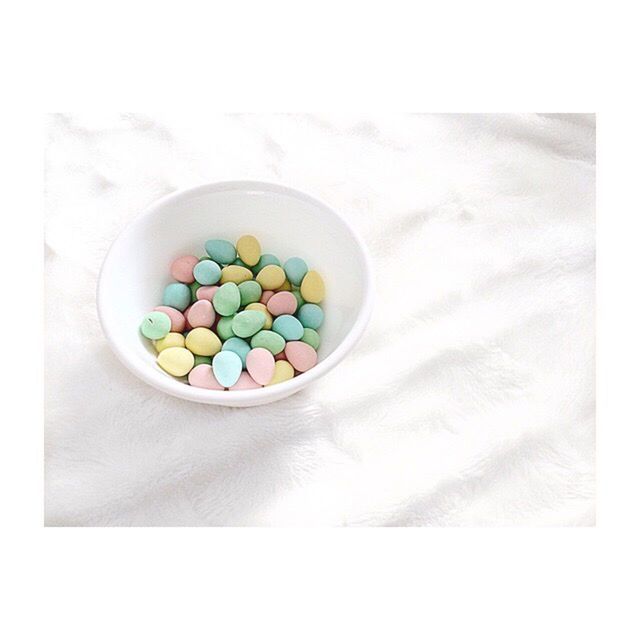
<point>241,397</point>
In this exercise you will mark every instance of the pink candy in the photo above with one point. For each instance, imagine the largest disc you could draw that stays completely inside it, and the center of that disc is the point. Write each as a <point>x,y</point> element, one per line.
<point>300,355</point>
<point>282,303</point>
<point>261,365</point>
<point>206,292</point>
<point>202,376</point>
<point>266,295</point>
<point>178,321</point>
<point>201,314</point>
<point>182,269</point>
<point>245,381</point>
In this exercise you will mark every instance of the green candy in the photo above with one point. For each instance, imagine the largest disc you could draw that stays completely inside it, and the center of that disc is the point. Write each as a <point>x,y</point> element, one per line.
<point>250,291</point>
<point>176,295</point>
<point>194,286</point>
<point>311,337</point>
<point>156,325</point>
<point>239,346</point>
<point>202,360</point>
<point>224,329</point>
<point>296,269</point>
<point>298,297</point>
<point>222,251</point>
<point>310,315</point>
<point>247,323</point>
<point>269,340</point>
<point>207,272</point>
<point>288,327</point>
<point>226,300</point>
<point>265,259</point>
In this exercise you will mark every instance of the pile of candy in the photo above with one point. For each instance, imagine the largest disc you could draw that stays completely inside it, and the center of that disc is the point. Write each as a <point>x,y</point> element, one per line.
<point>237,318</point>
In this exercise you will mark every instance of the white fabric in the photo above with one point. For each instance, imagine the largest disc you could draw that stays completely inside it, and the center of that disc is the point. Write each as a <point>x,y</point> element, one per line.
<point>470,399</point>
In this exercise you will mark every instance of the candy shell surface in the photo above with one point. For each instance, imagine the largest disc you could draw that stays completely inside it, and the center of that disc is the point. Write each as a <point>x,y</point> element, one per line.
<point>269,340</point>
<point>260,365</point>
<point>312,287</point>
<point>258,306</point>
<point>301,355</point>
<point>266,295</point>
<point>271,277</point>
<point>227,367</point>
<point>311,337</point>
<point>288,327</point>
<point>176,295</point>
<point>247,323</point>
<point>206,292</point>
<point>238,346</point>
<point>170,340</point>
<point>201,314</point>
<point>283,371</point>
<point>176,361</point>
<point>235,273</point>
<point>221,251</point>
<point>310,315</point>
<point>207,272</point>
<point>224,327</point>
<point>281,303</point>
<point>245,382</point>
<point>155,325</point>
<point>295,269</point>
<point>203,342</point>
<point>202,376</point>
<point>182,268</point>
<point>176,317</point>
<point>226,300</point>
<point>250,292</point>
<point>249,250</point>
<point>265,259</point>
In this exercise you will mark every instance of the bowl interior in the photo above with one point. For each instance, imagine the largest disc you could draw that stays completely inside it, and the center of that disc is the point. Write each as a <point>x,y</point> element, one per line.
<point>285,222</point>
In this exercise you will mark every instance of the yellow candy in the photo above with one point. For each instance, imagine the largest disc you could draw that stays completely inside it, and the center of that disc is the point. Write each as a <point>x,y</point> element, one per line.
<point>271,277</point>
<point>235,273</point>
<point>203,342</point>
<point>258,306</point>
<point>285,287</point>
<point>284,371</point>
<point>249,250</point>
<point>177,361</point>
<point>312,287</point>
<point>170,340</point>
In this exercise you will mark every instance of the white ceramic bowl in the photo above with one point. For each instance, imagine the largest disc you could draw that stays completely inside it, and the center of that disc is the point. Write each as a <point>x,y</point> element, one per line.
<point>287,223</point>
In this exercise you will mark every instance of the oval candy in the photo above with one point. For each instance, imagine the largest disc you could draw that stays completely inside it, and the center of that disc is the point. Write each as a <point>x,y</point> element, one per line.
<point>176,317</point>
<point>203,342</point>
<point>224,327</point>
<point>227,367</point>
<point>269,340</point>
<point>286,286</point>
<point>207,272</point>
<point>266,296</point>
<point>176,361</point>
<point>312,287</point>
<point>249,250</point>
<point>310,315</point>
<point>301,356</point>
<point>170,340</point>
<point>221,251</point>
<point>202,376</point>
<point>245,382</point>
<point>182,268</point>
<point>206,292</point>
<point>238,346</point>
<point>155,325</point>
<point>176,295</point>
<point>288,327</point>
<point>295,269</point>
<point>298,297</point>
<point>258,306</point>
<point>250,292</point>
<point>265,259</point>
<point>281,303</point>
<point>201,314</point>
<point>271,277</point>
<point>282,371</point>
<point>311,337</point>
<point>235,273</point>
<point>247,323</point>
<point>226,300</point>
<point>260,365</point>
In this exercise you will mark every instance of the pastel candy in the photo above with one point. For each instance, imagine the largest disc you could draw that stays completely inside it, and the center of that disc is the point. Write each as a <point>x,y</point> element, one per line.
<point>193,287</point>
<point>170,340</point>
<point>203,342</point>
<point>227,367</point>
<point>301,355</point>
<point>282,303</point>
<point>226,300</point>
<point>266,296</point>
<point>258,306</point>
<point>295,269</point>
<point>298,297</point>
<point>207,272</point>
<point>221,251</point>
<point>249,250</point>
<point>271,277</point>
<point>176,361</point>
<point>312,287</point>
<point>201,314</point>
<point>280,356</point>
<point>176,295</point>
<point>238,346</point>
<point>187,326</point>
<point>202,360</point>
<point>206,292</point>
<point>224,328</point>
<point>265,259</point>
<point>282,371</point>
<point>311,337</point>
<point>260,365</point>
<point>202,376</point>
<point>250,292</point>
<point>176,317</point>
<point>288,327</point>
<point>245,382</point>
<point>235,273</point>
<point>155,325</point>
<point>310,315</point>
<point>269,340</point>
<point>285,286</point>
<point>247,323</point>
<point>182,268</point>
<point>241,263</point>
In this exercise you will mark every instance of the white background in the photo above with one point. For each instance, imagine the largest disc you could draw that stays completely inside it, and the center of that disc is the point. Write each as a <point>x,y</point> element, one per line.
<point>447,583</point>
<point>469,401</point>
